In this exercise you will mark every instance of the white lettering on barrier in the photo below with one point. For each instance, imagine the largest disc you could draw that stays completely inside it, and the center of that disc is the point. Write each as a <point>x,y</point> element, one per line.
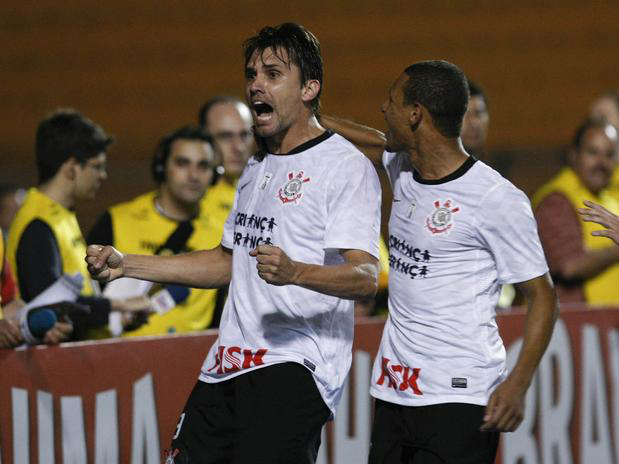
<point>355,448</point>
<point>73,434</point>
<point>21,437</point>
<point>520,447</point>
<point>45,427</point>
<point>556,413</point>
<point>145,427</point>
<point>106,428</point>
<point>613,360</point>
<point>595,446</point>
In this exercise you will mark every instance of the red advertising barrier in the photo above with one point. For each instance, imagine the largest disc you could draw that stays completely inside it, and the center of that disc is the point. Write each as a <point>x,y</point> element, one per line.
<point>118,401</point>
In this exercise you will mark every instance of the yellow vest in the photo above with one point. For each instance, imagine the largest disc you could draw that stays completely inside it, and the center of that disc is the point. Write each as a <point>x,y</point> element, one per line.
<point>139,228</point>
<point>64,226</point>
<point>383,274</point>
<point>218,201</point>
<point>603,288</point>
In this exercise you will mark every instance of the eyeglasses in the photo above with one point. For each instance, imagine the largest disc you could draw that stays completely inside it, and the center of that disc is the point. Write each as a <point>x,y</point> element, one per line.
<point>228,136</point>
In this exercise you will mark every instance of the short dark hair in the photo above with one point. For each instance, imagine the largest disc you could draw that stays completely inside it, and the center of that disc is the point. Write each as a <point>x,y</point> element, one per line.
<point>475,90</point>
<point>441,87</point>
<point>301,46</point>
<point>210,103</point>
<point>162,152</point>
<point>66,134</point>
<point>586,126</point>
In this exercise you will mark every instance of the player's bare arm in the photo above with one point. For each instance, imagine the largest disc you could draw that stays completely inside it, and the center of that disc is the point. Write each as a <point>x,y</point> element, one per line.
<point>600,215</point>
<point>505,408</point>
<point>356,279</point>
<point>198,269</point>
<point>369,141</point>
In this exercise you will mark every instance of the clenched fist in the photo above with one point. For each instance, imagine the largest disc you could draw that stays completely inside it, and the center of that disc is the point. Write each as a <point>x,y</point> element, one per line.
<point>274,266</point>
<point>105,263</point>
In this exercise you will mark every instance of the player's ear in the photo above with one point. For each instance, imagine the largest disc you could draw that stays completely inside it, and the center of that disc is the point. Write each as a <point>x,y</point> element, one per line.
<point>415,114</point>
<point>69,168</point>
<point>310,90</point>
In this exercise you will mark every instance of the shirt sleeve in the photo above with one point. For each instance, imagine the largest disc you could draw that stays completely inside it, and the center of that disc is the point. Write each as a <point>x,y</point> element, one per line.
<point>507,227</point>
<point>559,230</point>
<point>353,206</point>
<point>39,264</point>
<point>392,162</point>
<point>102,233</point>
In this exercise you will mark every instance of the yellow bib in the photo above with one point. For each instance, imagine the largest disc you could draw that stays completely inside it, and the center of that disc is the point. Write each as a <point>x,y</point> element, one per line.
<point>139,228</point>
<point>218,201</point>
<point>65,228</point>
<point>603,288</point>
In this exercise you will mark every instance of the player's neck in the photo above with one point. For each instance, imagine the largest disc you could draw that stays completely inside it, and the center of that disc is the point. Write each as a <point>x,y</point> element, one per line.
<point>435,158</point>
<point>295,135</point>
<point>173,209</point>
<point>59,191</point>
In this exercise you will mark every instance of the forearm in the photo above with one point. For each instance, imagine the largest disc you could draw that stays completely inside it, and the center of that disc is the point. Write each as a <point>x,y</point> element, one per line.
<point>198,269</point>
<point>348,281</point>
<point>371,142</point>
<point>541,316</point>
<point>588,264</point>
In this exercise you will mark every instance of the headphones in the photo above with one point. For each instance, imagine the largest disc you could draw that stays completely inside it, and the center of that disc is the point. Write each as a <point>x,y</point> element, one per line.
<point>164,147</point>
<point>158,164</point>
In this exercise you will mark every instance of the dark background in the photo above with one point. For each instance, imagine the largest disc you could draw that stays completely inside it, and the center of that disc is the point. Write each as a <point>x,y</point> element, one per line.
<point>143,68</point>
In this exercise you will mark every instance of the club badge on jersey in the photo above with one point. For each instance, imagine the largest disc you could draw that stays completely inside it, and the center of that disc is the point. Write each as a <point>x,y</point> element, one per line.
<point>291,191</point>
<point>441,220</point>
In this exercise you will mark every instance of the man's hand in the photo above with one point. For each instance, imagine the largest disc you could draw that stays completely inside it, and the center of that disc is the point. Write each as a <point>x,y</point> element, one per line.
<point>59,333</point>
<point>505,409</point>
<point>105,263</point>
<point>274,266</point>
<point>600,215</point>
<point>10,335</point>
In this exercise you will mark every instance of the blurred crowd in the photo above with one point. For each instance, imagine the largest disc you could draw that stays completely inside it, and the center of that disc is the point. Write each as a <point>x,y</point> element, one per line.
<point>195,169</point>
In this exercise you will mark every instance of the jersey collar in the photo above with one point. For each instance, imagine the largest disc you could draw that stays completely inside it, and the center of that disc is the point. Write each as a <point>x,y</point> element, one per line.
<point>463,169</point>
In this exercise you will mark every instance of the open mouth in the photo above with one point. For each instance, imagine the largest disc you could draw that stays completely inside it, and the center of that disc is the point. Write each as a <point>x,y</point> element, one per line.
<point>262,110</point>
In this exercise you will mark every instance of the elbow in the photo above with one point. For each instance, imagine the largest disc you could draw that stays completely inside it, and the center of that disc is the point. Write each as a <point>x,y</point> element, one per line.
<point>368,289</point>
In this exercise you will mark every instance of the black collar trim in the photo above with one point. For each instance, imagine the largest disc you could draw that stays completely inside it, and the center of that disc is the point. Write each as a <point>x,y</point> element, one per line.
<point>463,169</point>
<point>310,143</point>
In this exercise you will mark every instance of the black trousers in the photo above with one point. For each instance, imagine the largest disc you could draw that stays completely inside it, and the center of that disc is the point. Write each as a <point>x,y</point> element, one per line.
<point>437,434</point>
<point>267,416</point>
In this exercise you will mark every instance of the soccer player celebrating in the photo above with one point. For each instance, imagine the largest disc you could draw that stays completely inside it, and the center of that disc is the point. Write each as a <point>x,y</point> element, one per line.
<point>457,231</point>
<point>300,244</point>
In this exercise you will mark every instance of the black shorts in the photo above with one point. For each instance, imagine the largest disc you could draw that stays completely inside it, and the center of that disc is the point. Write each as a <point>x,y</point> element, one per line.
<point>437,434</point>
<point>270,415</point>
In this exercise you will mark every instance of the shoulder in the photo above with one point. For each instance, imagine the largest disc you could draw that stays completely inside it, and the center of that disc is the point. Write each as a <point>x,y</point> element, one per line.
<point>554,203</point>
<point>339,148</point>
<point>37,232</point>
<point>496,194</point>
<point>141,202</point>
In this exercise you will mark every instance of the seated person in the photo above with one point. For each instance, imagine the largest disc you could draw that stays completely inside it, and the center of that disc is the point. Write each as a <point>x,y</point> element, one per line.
<point>584,267</point>
<point>169,220</point>
<point>45,240</point>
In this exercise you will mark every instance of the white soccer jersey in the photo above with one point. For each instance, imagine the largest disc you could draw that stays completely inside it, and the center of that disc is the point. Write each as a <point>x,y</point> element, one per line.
<point>452,243</point>
<point>322,197</point>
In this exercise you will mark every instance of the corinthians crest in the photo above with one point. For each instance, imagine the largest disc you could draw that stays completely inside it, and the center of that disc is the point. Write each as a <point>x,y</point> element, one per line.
<point>441,220</point>
<point>291,191</point>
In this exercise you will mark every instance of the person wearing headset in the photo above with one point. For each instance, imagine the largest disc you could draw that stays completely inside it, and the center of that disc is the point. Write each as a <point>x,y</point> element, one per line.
<point>169,220</point>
